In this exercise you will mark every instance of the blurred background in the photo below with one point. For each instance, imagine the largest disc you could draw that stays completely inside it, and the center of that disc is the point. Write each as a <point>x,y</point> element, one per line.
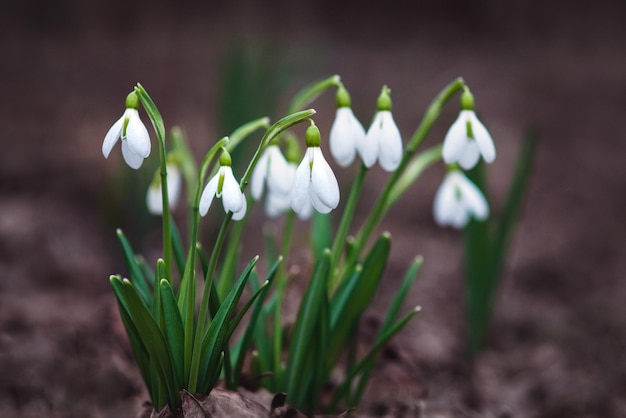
<point>556,346</point>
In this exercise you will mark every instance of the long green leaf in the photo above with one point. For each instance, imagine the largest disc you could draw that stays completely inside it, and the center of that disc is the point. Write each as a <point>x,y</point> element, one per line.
<point>320,234</point>
<point>135,272</point>
<point>173,330</point>
<point>216,336</point>
<point>305,327</point>
<point>153,340</point>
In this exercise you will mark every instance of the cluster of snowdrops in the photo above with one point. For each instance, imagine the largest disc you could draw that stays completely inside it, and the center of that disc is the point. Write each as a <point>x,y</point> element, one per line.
<point>183,342</point>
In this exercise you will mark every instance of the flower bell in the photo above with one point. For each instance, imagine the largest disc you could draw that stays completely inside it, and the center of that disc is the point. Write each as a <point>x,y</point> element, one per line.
<point>224,185</point>
<point>315,183</point>
<point>135,138</point>
<point>154,199</point>
<point>468,139</point>
<point>383,141</point>
<point>273,173</point>
<point>346,132</point>
<point>457,199</point>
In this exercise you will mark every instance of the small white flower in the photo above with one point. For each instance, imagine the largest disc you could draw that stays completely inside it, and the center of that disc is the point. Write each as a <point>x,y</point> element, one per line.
<point>456,199</point>
<point>154,199</point>
<point>135,138</point>
<point>314,184</point>
<point>383,142</point>
<point>224,185</point>
<point>346,133</point>
<point>466,140</point>
<point>272,170</point>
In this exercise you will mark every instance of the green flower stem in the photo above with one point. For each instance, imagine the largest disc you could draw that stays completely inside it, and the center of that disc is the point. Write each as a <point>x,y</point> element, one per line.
<point>431,115</point>
<point>342,231</point>
<point>159,128</point>
<point>308,94</point>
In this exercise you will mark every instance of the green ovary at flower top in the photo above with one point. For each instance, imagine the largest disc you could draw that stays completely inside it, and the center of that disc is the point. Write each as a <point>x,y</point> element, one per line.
<point>224,185</point>
<point>133,133</point>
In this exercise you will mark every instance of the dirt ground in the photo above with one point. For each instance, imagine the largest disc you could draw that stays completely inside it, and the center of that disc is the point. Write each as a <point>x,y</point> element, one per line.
<point>555,348</point>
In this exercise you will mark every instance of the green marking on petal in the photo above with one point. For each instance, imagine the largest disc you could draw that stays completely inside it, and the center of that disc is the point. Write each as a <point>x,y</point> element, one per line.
<point>470,131</point>
<point>220,184</point>
<point>126,120</point>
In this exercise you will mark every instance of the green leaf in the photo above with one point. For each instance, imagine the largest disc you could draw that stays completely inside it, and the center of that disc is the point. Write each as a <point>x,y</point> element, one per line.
<point>135,272</point>
<point>177,247</point>
<point>320,234</point>
<point>153,340</point>
<point>172,326</point>
<point>216,337</point>
<point>304,331</point>
<point>349,304</point>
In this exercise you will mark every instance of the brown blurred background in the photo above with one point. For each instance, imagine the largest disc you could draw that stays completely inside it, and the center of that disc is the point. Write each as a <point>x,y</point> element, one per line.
<point>558,338</point>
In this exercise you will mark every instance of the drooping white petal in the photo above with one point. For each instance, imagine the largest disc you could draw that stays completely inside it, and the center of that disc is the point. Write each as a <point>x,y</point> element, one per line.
<point>324,185</point>
<point>455,140</point>
<point>346,133</point>
<point>232,197</point>
<point>137,134</point>
<point>174,184</point>
<point>259,175</point>
<point>133,159</point>
<point>113,134</point>
<point>154,200</point>
<point>470,155</point>
<point>209,192</point>
<point>237,216</point>
<point>444,203</point>
<point>301,181</point>
<point>473,199</point>
<point>483,139</point>
<point>317,203</point>
<point>276,204</point>
<point>280,173</point>
<point>369,147</point>
<point>390,143</point>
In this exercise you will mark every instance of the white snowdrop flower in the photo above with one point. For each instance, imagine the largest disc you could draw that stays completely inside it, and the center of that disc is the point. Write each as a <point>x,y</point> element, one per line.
<point>468,139</point>
<point>272,170</point>
<point>278,200</point>
<point>314,183</point>
<point>224,185</point>
<point>383,141</point>
<point>346,132</point>
<point>457,199</point>
<point>154,199</point>
<point>135,138</point>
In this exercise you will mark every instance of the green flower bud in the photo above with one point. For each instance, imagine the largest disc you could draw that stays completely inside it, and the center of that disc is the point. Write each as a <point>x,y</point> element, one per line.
<point>312,136</point>
<point>467,100</point>
<point>384,100</point>
<point>343,97</point>
<point>132,100</point>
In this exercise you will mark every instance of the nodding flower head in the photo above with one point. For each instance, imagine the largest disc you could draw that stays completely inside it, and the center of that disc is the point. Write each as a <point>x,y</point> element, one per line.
<point>133,133</point>
<point>468,139</point>
<point>273,173</point>
<point>315,183</point>
<point>457,199</point>
<point>383,141</point>
<point>224,185</point>
<point>154,199</point>
<point>346,132</point>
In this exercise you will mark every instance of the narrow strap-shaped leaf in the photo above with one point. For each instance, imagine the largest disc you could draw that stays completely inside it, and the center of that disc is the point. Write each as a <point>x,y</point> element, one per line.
<point>154,342</point>
<point>403,290</point>
<point>216,336</point>
<point>306,324</point>
<point>139,349</point>
<point>173,330</point>
<point>320,234</point>
<point>359,295</point>
<point>214,299</point>
<point>177,248</point>
<point>246,339</point>
<point>135,272</point>
<point>146,269</point>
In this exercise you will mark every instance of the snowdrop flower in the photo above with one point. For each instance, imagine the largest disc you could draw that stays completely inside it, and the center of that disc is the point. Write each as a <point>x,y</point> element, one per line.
<point>132,131</point>
<point>315,183</point>
<point>468,139</point>
<point>272,170</point>
<point>154,199</point>
<point>456,199</point>
<point>346,132</point>
<point>225,186</point>
<point>383,141</point>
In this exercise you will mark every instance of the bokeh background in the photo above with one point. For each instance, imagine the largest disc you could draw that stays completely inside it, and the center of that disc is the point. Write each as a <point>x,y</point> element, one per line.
<point>556,346</point>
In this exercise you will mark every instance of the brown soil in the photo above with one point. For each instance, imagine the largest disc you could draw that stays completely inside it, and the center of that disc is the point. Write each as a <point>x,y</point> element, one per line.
<point>555,348</point>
